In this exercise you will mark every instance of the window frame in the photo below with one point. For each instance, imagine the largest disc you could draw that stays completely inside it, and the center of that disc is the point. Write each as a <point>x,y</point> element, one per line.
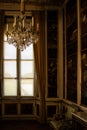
<point>18,78</point>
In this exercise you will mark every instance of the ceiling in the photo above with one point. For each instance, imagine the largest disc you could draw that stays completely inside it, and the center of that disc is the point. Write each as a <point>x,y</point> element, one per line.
<point>37,2</point>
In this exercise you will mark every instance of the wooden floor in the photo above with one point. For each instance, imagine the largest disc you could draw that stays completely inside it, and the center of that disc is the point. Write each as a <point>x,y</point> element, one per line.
<point>23,125</point>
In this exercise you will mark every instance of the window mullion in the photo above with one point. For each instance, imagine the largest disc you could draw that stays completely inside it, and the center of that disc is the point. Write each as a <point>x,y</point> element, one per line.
<point>18,73</point>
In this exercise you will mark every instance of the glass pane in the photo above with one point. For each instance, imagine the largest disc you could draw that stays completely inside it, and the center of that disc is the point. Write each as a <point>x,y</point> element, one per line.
<point>10,69</point>
<point>9,51</point>
<point>27,87</point>
<point>27,69</point>
<point>27,53</point>
<point>10,87</point>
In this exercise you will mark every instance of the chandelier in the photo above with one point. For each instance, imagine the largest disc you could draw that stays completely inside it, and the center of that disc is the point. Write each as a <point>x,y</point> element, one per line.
<point>22,34</point>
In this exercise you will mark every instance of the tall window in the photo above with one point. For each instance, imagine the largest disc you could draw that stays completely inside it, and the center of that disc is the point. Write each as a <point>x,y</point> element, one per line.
<point>18,71</point>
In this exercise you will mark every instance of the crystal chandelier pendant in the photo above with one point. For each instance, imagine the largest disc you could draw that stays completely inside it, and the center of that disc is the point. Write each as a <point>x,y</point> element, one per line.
<point>22,35</point>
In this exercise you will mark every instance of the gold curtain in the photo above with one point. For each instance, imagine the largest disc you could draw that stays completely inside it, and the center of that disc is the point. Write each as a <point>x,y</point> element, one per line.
<point>39,53</point>
<point>1,44</point>
<point>1,32</point>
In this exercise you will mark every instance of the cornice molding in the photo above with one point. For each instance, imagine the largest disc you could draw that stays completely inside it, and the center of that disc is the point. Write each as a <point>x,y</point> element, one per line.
<point>28,7</point>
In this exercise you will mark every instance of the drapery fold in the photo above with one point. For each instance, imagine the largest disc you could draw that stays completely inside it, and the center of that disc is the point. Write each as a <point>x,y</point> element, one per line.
<point>39,53</point>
